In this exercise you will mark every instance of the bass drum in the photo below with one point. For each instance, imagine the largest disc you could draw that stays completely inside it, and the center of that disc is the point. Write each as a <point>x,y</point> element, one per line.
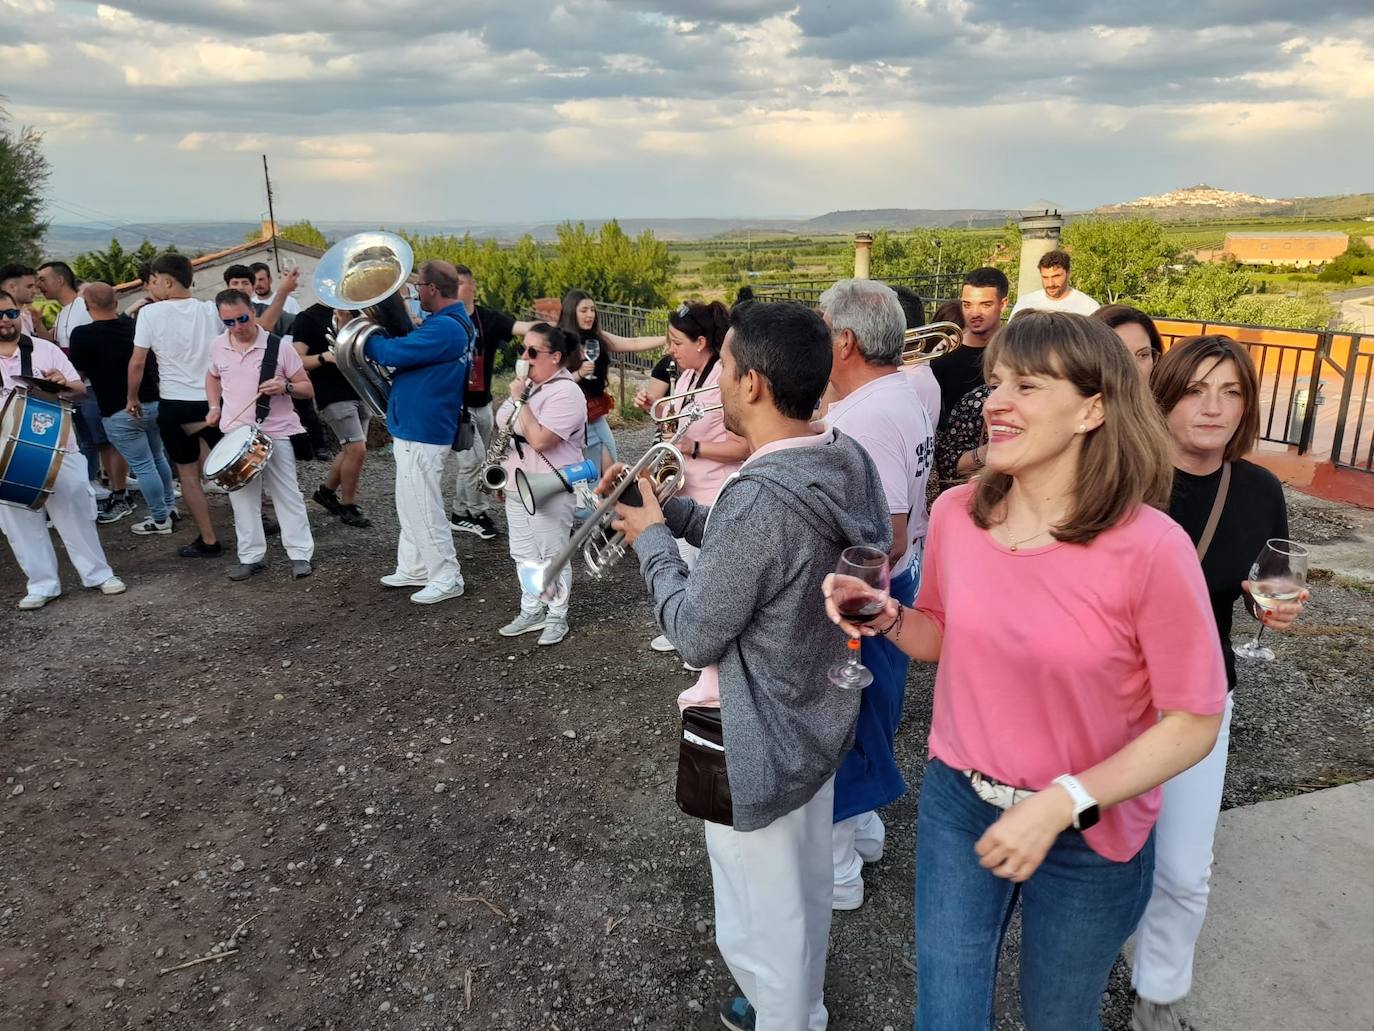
<point>239,458</point>
<point>33,438</point>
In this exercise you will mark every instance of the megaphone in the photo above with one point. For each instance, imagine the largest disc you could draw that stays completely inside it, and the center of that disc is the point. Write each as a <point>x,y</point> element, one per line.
<point>537,489</point>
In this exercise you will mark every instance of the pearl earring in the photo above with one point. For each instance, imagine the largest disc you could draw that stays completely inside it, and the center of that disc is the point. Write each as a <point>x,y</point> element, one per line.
<point>1082,427</point>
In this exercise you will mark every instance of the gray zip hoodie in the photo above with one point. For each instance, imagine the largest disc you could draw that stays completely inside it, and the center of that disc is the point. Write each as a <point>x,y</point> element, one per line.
<point>753,606</point>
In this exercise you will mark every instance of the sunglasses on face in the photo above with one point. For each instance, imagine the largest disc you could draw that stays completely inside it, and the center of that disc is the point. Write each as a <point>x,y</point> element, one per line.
<point>9,313</point>
<point>534,352</point>
<point>238,321</point>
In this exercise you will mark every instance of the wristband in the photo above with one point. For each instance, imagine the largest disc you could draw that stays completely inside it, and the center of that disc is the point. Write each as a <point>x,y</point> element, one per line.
<point>696,449</point>
<point>212,408</point>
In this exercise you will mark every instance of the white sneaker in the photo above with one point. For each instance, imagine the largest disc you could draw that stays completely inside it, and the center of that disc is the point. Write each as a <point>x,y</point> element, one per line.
<point>524,623</point>
<point>401,580</point>
<point>211,487</point>
<point>848,898</point>
<point>555,629</point>
<point>34,601</point>
<point>114,585</point>
<point>662,644</point>
<point>152,526</point>
<point>430,595</point>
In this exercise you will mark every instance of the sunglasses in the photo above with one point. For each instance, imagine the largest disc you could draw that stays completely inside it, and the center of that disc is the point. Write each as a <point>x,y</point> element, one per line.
<point>684,313</point>
<point>238,321</point>
<point>534,352</point>
<point>9,313</point>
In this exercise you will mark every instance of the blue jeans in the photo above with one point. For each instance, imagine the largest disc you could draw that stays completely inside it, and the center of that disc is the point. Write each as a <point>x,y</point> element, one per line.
<point>599,437</point>
<point>89,432</point>
<point>1077,910</point>
<point>140,443</point>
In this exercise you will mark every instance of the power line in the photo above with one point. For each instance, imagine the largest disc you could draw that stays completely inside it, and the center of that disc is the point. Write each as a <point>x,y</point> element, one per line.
<point>89,215</point>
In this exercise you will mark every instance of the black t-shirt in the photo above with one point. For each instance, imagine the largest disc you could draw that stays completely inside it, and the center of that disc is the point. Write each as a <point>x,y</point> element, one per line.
<point>101,352</point>
<point>957,373</point>
<point>311,328</point>
<point>665,371</point>
<point>494,328</point>
<point>1255,511</point>
<point>595,384</point>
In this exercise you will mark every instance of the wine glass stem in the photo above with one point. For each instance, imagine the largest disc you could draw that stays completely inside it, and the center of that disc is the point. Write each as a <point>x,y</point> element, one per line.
<point>1258,634</point>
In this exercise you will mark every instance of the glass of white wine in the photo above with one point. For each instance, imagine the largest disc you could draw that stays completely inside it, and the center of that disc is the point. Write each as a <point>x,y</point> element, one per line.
<point>1278,575</point>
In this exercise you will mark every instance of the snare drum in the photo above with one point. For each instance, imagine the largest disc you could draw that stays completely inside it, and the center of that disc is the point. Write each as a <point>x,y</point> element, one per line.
<point>34,431</point>
<point>238,458</point>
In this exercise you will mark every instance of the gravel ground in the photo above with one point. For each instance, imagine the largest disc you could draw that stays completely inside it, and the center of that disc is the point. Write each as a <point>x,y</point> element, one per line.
<point>388,817</point>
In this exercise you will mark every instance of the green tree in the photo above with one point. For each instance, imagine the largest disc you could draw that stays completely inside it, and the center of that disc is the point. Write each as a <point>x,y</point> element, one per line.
<point>23,174</point>
<point>1311,308</point>
<point>924,252</point>
<point>112,265</point>
<point>303,232</point>
<point>508,279</point>
<point>610,266</point>
<point>1198,290</point>
<point>1115,258</point>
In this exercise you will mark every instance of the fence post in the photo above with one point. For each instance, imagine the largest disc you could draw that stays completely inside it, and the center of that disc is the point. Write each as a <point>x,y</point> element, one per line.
<point>620,368</point>
<point>1347,394</point>
<point>1314,386</point>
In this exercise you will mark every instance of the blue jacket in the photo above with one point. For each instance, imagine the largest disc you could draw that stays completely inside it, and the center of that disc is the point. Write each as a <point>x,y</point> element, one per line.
<point>431,363</point>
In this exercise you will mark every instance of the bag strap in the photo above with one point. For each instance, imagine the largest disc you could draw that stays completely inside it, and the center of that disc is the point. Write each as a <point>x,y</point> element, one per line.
<point>268,371</point>
<point>26,356</point>
<point>1208,531</point>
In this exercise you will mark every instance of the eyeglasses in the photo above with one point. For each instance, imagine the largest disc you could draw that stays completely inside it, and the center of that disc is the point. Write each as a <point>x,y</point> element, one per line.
<point>9,313</point>
<point>239,321</point>
<point>422,283</point>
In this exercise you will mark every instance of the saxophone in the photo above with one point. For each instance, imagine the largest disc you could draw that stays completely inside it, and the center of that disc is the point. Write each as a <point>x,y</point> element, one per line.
<point>492,477</point>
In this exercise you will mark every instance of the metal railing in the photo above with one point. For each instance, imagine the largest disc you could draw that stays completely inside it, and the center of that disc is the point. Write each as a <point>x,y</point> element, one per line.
<point>932,289</point>
<point>1359,355</point>
<point>626,320</point>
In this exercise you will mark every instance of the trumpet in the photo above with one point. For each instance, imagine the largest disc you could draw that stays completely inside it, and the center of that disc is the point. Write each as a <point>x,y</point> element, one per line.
<point>600,546</point>
<point>946,336</point>
<point>670,415</point>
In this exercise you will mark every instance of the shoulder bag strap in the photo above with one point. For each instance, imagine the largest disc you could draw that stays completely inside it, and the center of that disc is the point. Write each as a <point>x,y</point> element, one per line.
<point>268,371</point>
<point>26,356</point>
<point>1205,541</point>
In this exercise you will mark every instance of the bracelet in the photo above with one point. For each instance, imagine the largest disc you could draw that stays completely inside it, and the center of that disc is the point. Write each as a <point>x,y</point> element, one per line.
<point>978,460</point>
<point>212,408</point>
<point>896,622</point>
<point>696,449</point>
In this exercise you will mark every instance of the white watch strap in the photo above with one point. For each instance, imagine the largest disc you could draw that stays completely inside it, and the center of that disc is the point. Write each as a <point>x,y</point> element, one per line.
<point>1080,796</point>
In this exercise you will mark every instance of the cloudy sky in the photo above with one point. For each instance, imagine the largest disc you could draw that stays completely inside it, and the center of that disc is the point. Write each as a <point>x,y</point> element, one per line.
<point>546,109</point>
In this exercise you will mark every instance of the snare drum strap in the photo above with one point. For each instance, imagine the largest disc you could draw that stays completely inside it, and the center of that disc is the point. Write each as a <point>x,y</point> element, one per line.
<point>269,370</point>
<point>26,356</point>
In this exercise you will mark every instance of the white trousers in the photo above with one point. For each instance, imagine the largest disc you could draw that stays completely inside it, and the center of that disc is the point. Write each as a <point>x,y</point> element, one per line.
<point>279,478</point>
<point>773,904</point>
<point>856,841</point>
<point>1167,935</point>
<point>538,538</point>
<point>72,508</point>
<point>467,496</point>
<point>425,551</point>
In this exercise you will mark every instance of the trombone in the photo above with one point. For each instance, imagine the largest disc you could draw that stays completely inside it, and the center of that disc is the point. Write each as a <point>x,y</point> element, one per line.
<point>945,336</point>
<point>673,404</point>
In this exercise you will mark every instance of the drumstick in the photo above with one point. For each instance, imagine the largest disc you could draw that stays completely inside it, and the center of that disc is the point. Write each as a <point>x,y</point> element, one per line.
<point>251,402</point>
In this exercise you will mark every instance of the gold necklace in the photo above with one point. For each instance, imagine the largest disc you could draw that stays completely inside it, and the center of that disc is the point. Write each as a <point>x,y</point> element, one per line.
<point>1014,544</point>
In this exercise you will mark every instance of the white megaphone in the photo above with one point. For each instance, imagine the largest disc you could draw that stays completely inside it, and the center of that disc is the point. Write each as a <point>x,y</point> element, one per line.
<point>537,489</point>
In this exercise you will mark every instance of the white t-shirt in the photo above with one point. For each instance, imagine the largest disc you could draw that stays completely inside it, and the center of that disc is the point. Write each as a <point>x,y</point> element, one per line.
<point>179,332</point>
<point>927,388</point>
<point>291,307</point>
<point>1075,302</point>
<point>888,420</point>
<point>73,315</point>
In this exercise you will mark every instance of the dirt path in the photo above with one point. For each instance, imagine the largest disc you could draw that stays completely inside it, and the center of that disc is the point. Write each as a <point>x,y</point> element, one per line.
<point>421,824</point>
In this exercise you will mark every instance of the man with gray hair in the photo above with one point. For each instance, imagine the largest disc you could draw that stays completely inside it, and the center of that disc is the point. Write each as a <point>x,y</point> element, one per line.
<point>878,407</point>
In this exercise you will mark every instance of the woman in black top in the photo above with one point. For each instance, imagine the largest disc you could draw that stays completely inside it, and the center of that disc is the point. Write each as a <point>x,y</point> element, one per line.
<point>1207,389</point>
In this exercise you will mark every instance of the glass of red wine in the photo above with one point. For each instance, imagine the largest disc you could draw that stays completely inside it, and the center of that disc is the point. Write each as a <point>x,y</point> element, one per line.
<point>860,592</point>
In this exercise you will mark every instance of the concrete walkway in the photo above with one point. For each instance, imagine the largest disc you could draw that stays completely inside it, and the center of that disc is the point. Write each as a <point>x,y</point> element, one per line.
<point>1289,939</point>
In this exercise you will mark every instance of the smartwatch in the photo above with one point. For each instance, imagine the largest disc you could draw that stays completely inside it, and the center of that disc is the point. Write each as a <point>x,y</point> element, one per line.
<point>288,386</point>
<point>1086,812</point>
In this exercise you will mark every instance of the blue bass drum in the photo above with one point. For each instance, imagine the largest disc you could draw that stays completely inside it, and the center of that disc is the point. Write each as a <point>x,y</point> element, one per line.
<point>33,438</point>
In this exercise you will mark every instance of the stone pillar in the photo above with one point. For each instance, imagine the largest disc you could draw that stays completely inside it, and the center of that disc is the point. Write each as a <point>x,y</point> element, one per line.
<point>863,251</point>
<point>1039,235</point>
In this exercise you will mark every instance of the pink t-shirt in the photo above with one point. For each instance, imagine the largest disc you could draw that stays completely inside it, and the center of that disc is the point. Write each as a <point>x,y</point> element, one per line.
<point>704,475</point>
<point>239,374</point>
<point>927,388</point>
<point>1055,658</point>
<point>46,356</point>
<point>558,405</point>
<point>889,423</point>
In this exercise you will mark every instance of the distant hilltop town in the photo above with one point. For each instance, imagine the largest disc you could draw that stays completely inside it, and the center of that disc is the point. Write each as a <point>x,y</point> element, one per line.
<point>1202,196</point>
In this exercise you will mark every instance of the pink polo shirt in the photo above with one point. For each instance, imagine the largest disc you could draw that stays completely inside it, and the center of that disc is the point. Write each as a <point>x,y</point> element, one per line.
<point>559,405</point>
<point>704,475</point>
<point>240,373</point>
<point>706,691</point>
<point>886,418</point>
<point>46,355</point>
<point>1055,658</point>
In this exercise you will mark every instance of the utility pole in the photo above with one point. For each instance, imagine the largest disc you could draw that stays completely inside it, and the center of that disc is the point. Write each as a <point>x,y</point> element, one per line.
<point>271,216</point>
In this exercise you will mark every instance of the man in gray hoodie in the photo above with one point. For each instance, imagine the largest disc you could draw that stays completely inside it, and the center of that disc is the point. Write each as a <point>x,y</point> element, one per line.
<point>751,608</point>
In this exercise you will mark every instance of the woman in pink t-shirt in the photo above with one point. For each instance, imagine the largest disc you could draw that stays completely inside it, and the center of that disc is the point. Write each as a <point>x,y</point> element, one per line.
<point>711,452</point>
<point>1078,670</point>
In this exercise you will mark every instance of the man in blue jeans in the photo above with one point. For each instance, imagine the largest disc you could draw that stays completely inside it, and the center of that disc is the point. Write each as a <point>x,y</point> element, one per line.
<point>101,351</point>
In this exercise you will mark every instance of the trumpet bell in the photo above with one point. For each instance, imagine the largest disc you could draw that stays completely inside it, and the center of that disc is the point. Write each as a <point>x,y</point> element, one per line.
<point>362,270</point>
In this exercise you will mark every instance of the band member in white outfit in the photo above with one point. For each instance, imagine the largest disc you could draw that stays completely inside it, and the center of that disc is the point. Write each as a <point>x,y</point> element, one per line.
<point>235,381</point>
<point>549,433</point>
<point>72,503</point>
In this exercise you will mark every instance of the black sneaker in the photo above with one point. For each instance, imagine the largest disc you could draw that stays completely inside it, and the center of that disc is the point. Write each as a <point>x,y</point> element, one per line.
<point>328,499</point>
<point>113,509</point>
<point>199,549</point>
<point>480,526</point>
<point>352,515</point>
<point>488,529</point>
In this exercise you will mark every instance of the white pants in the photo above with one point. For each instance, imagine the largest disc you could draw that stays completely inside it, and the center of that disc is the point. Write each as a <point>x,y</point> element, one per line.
<point>279,478</point>
<point>72,508</point>
<point>773,904</point>
<point>538,538</point>
<point>467,496</point>
<point>1168,932</point>
<point>425,551</point>
<point>856,841</point>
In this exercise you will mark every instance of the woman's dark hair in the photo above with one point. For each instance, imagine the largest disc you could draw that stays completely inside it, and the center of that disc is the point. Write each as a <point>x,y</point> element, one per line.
<point>1124,463</point>
<point>950,311</point>
<point>695,320</point>
<point>745,293</point>
<point>567,322</point>
<point>1191,359</point>
<point>559,341</point>
<point>787,344</point>
<point>1115,315</point>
